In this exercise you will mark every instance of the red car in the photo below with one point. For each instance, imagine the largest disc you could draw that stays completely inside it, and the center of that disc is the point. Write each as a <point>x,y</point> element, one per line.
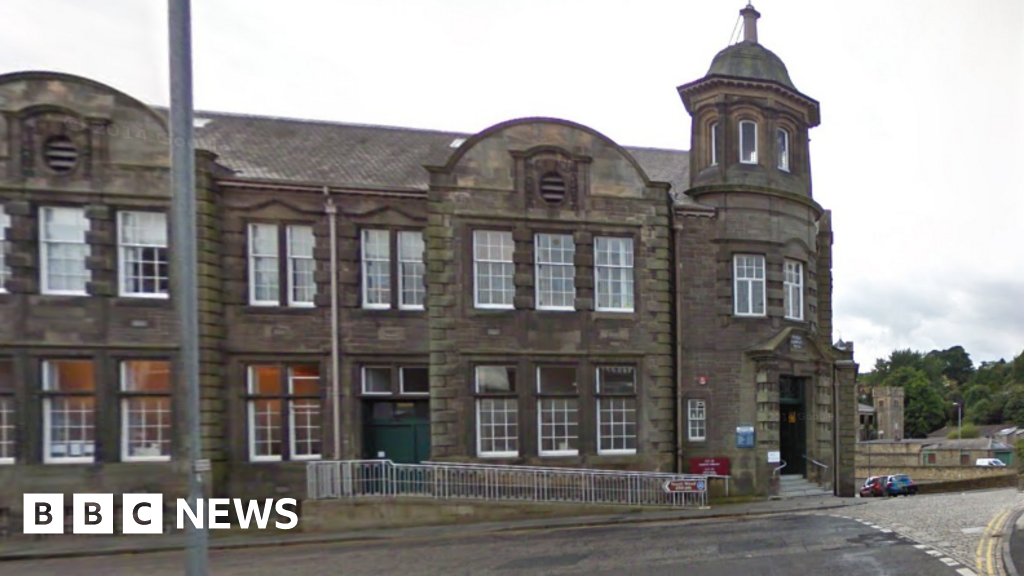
<point>873,486</point>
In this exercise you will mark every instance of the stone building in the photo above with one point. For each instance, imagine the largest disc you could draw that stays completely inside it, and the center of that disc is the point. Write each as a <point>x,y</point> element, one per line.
<point>888,401</point>
<point>534,293</point>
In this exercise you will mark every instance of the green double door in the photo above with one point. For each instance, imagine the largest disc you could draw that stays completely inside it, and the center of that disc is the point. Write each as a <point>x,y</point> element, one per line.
<point>397,430</point>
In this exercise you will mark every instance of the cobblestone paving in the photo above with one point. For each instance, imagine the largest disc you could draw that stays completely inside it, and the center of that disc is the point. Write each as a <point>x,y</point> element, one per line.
<point>954,523</point>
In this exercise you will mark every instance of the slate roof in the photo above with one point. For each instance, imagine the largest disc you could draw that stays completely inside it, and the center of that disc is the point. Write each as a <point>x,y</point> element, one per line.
<point>968,444</point>
<point>340,154</point>
<point>984,431</point>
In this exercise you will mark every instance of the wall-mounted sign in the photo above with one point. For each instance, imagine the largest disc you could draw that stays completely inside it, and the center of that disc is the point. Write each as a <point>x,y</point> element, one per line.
<point>796,342</point>
<point>710,466</point>
<point>702,380</point>
<point>744,436</point>
<point>774,457</point>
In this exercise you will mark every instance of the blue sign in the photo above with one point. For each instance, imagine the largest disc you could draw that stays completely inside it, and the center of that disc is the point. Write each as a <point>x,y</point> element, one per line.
<point>744,436</point>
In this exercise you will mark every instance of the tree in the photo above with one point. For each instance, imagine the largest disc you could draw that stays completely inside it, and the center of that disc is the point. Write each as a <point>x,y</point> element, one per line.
<point>987,411</point>
<point>1014,409</point>
<point>955,363</point>
<point>1017,372</point>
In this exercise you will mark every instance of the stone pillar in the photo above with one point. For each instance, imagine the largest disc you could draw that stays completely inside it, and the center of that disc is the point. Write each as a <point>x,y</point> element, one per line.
<point>213,419</point>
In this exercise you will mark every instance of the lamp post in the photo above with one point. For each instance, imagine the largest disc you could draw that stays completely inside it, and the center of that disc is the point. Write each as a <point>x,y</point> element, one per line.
<point>184,260</point>
<point>959,431</point>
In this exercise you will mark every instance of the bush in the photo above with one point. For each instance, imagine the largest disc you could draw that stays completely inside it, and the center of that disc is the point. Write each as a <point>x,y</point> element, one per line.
<point>969,431</point>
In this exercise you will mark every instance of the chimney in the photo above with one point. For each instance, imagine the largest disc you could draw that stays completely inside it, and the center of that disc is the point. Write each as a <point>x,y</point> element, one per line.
<point>750,16</point>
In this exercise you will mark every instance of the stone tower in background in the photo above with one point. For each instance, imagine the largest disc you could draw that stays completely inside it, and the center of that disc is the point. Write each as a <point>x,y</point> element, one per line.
<point>889,412</point>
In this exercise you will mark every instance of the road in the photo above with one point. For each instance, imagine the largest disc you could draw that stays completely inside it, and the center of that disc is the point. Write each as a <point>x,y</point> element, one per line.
<point>805,544</point>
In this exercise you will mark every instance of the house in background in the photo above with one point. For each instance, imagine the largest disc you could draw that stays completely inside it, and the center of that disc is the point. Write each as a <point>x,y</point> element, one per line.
<point>534,293</point>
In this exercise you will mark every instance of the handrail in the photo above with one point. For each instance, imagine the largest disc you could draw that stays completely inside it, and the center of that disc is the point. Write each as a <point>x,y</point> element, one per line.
<point>813,461</point>
<point>783,465</point>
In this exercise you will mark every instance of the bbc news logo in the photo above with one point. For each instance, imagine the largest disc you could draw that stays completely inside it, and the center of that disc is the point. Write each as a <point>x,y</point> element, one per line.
<point>143,513</point>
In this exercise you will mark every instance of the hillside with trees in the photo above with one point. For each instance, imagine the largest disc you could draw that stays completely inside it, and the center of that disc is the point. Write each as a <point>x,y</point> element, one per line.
<point>991,393</point>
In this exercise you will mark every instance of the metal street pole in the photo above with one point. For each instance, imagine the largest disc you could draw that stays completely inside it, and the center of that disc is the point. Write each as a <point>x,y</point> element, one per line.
<point>185,258</point>
<point>960,431</point>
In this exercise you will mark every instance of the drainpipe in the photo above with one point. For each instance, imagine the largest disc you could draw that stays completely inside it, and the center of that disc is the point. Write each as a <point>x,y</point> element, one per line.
<point>332,220</point>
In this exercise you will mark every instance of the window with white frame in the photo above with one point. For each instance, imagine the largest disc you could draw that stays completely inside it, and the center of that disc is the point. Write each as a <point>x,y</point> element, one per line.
<point>616,410</point>
<point>493,269</point>
<point>794,290</point>
<point>377,380</point>
<point>6,411</point>
<point>301,266</point>
<point>376,246</point>
<point>557,411</point>
<point>284,405</point>
<point>414,380</point>
<point>69,411</point>
<point>697,429</point>
<point>412,290</point>
<point>497,411</point>
<point>145,410</point>
<point>268,264</point>
<point>613,270</point>
<point>392,380</point>
<point>5,268</point>
<point>264,265</point>
<point>556,271</point>
<point>749,286</point>
<point>716,133</point>
<point>379,249</point>
<point>143,260</point>
<point>782,149</point>
<point>748,142</point>
<point>64,250</point>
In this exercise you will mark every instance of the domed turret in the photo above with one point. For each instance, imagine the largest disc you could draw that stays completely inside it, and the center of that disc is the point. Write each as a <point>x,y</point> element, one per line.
<point>750,122</point>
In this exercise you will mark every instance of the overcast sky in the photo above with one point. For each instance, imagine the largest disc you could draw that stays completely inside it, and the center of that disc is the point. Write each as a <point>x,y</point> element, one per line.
<point>917,155</point>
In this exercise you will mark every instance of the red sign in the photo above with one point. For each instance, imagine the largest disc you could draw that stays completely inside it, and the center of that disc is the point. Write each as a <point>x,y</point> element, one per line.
<point>687,485</point>
<point>710,466</point>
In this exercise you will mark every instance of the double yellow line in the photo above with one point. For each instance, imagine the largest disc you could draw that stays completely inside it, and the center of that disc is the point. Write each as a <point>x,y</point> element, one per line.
<point>985,558</point>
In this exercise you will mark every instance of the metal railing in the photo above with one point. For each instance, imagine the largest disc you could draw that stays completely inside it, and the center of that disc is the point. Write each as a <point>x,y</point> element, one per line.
<point>827,482</point>
<point>497,482</point>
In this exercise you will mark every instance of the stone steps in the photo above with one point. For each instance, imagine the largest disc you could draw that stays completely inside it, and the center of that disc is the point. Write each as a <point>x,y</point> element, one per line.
<point>796,486</point>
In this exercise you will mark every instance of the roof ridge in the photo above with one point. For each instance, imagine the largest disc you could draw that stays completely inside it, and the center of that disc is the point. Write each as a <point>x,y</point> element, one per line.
<point>213,114</point>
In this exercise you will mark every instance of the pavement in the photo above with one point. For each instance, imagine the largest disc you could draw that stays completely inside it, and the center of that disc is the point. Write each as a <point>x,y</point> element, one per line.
<point>79,546</point>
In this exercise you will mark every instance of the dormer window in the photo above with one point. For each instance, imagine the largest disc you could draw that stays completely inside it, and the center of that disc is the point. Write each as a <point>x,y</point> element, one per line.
<point>716,130</point>
<point>782,149</point>
<point>748,142</point>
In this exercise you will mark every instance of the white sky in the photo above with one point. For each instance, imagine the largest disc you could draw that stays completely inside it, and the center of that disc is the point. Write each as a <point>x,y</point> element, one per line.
<point>922,110</point>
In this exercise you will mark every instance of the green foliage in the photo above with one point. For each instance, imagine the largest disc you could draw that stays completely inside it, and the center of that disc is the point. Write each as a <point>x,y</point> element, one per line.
<point>987,411</point>
<point>1019,446</point>
<point>1014,408</point>
<point>991,393</point>
<point>969,431</point>
<point>956,364</point>
<point>925,409</point>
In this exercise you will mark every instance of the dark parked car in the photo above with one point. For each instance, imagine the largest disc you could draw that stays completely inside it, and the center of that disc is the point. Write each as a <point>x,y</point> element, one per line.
<point>872,487</point>
<point>899,484</point>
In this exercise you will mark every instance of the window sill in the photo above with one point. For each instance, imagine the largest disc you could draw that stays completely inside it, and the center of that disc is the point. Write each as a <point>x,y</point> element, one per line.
<point>63,461</point>
<point>286,310</point>
<point>137,302</point>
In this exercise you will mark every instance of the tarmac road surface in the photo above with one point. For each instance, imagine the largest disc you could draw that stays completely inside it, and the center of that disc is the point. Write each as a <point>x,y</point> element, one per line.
<point>805,544</point>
